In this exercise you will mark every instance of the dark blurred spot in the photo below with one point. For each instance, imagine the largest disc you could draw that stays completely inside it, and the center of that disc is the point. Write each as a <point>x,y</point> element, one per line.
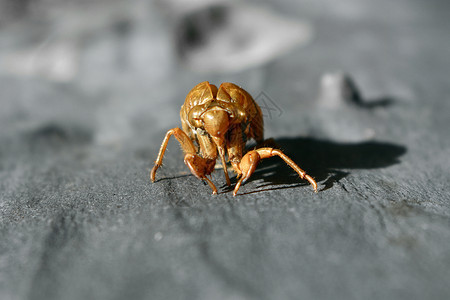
<point>122,27</point>
<point>58,135</point>
<point>11,10</point>
<point>122,30</point>
<point>350,91</point>
<point>353,95</point>
<point>194,30</point>
<point>375,103</point>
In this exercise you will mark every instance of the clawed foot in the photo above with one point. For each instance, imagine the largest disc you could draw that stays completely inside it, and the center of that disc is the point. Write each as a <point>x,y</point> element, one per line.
<point>201,167</point>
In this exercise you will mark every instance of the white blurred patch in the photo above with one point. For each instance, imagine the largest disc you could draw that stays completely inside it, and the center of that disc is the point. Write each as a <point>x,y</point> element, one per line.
<point>54,61</point>
<point>336,89</point>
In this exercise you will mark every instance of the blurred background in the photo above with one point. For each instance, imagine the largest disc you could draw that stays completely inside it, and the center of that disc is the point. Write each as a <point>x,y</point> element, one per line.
<point>128,66</point>
<point>355,91</point>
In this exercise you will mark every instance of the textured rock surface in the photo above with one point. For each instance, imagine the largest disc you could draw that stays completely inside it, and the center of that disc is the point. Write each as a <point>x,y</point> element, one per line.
<point>88,94</point>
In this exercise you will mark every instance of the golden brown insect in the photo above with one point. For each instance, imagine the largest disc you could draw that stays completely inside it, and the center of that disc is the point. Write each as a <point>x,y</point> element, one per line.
<point>218,122</point>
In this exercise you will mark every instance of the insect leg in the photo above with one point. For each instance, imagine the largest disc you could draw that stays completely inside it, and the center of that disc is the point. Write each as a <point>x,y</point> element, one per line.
<point>185,142</point>
<point>251,159</point>
<point>224,164</point>
<point>235,148</point>
<point>199,166</point>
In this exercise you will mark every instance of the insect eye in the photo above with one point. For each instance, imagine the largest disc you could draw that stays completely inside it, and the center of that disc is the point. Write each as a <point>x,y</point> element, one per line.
<point>194,116</point>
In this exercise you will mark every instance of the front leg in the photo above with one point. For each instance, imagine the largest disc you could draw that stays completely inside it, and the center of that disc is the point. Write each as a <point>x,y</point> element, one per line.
<point>235,148</point>
<point>199,166</point>
<point>250,160</point>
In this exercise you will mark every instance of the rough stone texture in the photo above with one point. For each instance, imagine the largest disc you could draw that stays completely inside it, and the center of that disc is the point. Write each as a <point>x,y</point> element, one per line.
<point>88,90</point>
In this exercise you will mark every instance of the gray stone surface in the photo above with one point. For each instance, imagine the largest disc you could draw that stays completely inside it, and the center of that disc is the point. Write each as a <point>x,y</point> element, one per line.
<point>88,90</point>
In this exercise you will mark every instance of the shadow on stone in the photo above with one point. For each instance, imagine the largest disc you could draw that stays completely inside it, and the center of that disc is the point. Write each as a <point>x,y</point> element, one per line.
<point>326,161</point>
<point>382,102</point>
